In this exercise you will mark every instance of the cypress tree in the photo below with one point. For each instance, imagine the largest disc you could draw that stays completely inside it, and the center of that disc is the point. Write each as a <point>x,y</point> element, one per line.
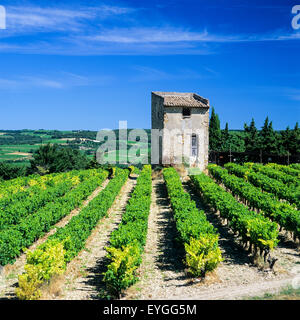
<point>268,138</point>
<point>295,140</point>
<point>252,143</point>
<point>285,141</point>
<point>225,139</point>
<point>215,135</point>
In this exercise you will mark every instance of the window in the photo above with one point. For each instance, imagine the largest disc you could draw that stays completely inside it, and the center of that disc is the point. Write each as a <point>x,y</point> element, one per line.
<point>186,112</point>
<point>194,149</point>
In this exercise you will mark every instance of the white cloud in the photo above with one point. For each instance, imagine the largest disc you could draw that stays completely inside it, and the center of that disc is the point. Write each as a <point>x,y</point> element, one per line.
<point>148,35</point>
<point>293,94</point>
<point>63,80</point>
<point>22,20</point>
<point>171,34</point>
<point>290,93</point>
<point>144,73</point>
<point>84,31</point>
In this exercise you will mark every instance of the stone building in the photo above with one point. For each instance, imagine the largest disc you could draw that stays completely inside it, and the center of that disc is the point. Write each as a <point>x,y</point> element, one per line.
<point>182,120</point>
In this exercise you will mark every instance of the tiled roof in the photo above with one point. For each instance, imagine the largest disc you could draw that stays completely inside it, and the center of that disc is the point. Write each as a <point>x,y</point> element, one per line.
<point>183,99</point>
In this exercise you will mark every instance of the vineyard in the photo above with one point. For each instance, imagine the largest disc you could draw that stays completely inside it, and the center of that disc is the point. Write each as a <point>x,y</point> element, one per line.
<point>226,233</point>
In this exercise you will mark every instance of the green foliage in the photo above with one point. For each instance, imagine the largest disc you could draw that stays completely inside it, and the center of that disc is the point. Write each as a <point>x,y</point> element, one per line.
<point>36,197</point>
<point>269,141</point>
<point>225,136</point>
<point>203,254</point>
<point>252,143</point>
<point>249,225</point>
<point>267,170</point>
<point>191,225</point>
<point>131,169</point>
<point>214,132</point>
<point>30,228</point>
<point>42,264</point>
<point>290,140</point>
<point>80,227</point>
<point>128,232</point>
<point>268,138</point>
<point>120,272</point>
<point>46,261</point>
<point>55,158</point>
<point>8,171</point>
<point>232,140</point>
<point>295,166</point>
<point>285,169</point>
<point>283,213</point>
<point>276,188</point>
<point>127,242</point>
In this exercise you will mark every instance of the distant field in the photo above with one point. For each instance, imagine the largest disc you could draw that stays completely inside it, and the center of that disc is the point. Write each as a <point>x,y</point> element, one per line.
<point>19,145</point>
<point>115,155</point>
<point>22,152</point>
<point>16,152</point>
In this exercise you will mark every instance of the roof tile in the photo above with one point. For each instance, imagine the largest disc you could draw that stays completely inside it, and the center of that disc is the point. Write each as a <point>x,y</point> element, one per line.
<point>183,99</point>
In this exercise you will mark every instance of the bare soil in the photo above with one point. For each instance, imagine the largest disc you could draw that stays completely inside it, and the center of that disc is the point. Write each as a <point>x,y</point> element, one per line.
<point>163,274</point>
<point>9,274</point>
<point>19,153</point>
<point>83,278</point>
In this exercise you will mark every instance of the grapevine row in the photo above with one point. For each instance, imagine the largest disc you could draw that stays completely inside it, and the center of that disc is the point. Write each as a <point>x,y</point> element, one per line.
<point>198,236</point>
<point>284,214</point>
<point>291,181</point>
<point>67,242</point>
<point>38,198</point>
<point>295,166</point>
<point>16,193</point>
<point>16,237</point>
<point>251,227</point>
<point>286,169</point>
<point>277,188</point>
<point>18,185</point>
<point>128,241</point>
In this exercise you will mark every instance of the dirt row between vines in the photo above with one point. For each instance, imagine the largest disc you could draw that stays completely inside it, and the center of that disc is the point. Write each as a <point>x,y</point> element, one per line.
<point>83,277</point>
<point>9,274</point>
<point>163,274</point>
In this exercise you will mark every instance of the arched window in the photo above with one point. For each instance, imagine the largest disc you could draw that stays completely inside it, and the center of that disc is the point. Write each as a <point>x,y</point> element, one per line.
<point>194,146</point>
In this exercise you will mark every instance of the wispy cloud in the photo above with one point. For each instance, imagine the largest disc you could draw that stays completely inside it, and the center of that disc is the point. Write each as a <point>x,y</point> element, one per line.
<point>23,20</point>
<point>63,80</point>
<point>293,94</point>
<point>144,73</point>
<point>149,35</point>
<point>290,93</point>
<point>171,34</point>
<point>88,31</point>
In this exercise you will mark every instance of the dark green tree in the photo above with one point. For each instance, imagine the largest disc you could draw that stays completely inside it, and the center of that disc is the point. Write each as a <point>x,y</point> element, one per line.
<point>268,138</point>
<point>237,142</point>
<point>9,171</point>
<point>226,139</point>
<point>56,158</point>
<point>252,143</point>
<point>215,135</point>
<point>295,140</point>
<point>286,141</point>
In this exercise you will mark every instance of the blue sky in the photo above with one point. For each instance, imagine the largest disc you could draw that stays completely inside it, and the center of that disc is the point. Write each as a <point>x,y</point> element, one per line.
<point>88,64</point>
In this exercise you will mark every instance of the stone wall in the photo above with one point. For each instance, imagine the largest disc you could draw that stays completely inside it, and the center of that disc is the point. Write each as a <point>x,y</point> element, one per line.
<point>175,144</point>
